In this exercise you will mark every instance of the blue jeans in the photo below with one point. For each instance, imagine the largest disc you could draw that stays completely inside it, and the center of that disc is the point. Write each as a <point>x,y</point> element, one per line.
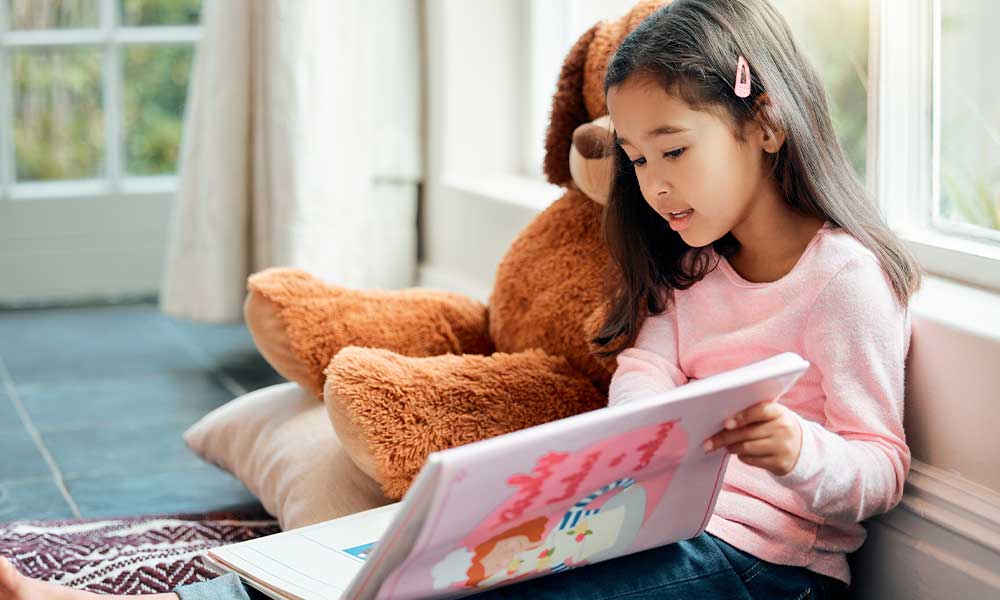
<point>701,567</point>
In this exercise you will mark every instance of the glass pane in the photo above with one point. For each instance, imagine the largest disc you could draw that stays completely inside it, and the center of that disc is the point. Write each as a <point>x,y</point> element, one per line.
<point>135,13</point>
<point>834,35</point>
<point>156,79</point>
<point>58,115</point>
<point>53,14</point>
<point>970,113</point>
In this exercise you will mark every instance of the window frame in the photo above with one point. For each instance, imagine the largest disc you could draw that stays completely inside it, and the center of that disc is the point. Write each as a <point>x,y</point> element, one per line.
<point>903,131</point>
<point>543,49</point>
<point>111,38</point>
<point>905,47</point>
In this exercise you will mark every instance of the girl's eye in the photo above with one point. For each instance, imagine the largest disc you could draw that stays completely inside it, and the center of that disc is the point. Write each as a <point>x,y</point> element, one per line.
<point>674,154</point>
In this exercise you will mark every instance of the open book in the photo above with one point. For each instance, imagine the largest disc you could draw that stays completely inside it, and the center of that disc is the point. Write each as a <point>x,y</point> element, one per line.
<point>541,500</point>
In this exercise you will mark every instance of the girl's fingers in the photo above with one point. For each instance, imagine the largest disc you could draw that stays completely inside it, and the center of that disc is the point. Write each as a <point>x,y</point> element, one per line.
<point>757,448</point>
<point>729,437</point>
<point>762,411</point>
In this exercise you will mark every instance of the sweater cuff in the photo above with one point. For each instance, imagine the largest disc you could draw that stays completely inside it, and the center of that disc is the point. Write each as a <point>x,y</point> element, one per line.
<point>808,465</point>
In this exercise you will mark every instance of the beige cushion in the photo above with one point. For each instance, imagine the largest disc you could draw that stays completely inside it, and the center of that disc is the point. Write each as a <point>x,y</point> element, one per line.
<point>279,442</point>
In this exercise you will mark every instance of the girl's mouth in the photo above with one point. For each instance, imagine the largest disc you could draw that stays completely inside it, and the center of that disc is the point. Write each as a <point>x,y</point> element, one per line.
<point>680,220</point>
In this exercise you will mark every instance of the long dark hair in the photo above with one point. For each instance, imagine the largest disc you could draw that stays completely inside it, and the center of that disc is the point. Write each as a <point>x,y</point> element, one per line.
<point>690,47</point>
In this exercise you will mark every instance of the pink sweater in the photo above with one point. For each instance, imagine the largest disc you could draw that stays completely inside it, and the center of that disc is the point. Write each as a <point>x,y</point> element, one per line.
<point>836,309</point>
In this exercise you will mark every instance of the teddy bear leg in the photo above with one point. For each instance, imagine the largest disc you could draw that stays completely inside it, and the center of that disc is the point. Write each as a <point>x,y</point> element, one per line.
<point>352,441</point>
<point>298,322</point>
<point>263,318</point>
<point>391,411</point>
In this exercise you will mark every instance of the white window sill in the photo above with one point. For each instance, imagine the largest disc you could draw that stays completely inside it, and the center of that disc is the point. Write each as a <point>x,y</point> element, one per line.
<point>524,191</point>
<point>962,258</point>
<point>965,308</point>
<point>93,188</point>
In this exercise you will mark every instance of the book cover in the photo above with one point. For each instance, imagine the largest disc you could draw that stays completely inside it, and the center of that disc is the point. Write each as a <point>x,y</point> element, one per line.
<point>577,491</point>
<point>542,500</point>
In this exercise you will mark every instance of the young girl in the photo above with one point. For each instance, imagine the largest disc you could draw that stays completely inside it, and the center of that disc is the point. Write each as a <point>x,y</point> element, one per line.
<point>740,232</point>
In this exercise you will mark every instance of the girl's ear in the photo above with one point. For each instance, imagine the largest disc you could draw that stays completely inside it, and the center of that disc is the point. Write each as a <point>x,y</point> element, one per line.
<point>772,135</point>
<point>773,140</point>
<point>568,111</point>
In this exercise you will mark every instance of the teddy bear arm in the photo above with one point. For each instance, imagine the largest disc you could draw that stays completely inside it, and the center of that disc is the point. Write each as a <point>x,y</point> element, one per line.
<point>391,411</point>
<point>299,322</point>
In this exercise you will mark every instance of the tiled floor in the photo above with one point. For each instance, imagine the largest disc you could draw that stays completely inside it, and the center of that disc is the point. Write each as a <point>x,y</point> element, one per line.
<point>93,402</point>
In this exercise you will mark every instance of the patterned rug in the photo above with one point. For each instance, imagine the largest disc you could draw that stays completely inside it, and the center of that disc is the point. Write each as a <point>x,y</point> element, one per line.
<point>139,555</point>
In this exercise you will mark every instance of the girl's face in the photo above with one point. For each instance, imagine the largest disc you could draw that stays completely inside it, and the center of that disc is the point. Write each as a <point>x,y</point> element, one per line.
<point>500,556</point>
<point>691,169</point>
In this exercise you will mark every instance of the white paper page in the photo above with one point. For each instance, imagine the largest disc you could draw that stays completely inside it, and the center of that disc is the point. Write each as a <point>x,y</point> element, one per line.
<point>318,561</point>
<point>401,534</point>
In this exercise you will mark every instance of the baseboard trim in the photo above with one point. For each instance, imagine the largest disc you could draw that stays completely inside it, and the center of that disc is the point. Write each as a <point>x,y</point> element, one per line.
<point>949,501</point>
<point>942,541</point>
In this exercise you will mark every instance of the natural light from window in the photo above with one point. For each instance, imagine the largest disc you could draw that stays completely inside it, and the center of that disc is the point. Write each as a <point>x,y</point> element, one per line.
<point>95,88</point>
<point>969,115</point>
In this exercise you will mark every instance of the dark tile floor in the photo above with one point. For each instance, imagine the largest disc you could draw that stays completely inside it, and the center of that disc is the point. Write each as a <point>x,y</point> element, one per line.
<point>93,402</point>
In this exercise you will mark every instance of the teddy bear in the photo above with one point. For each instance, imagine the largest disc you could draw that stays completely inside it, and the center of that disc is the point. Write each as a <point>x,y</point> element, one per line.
<point>404,373</point>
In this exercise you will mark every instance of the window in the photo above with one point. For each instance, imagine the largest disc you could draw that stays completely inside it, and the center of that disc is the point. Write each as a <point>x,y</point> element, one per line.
<point>932,158</point>
<point>834,35</point>
<point>92,93</point>
<point>935,145</point>
<point>969,119</point>
<point>554,27</point>
<point>912,95</point>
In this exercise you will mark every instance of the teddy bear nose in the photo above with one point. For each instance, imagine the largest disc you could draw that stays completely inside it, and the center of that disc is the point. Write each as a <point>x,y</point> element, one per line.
<point>592,141</point>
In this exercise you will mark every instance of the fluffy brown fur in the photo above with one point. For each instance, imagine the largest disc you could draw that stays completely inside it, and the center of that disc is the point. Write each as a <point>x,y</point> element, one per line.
<point>317,319</point>
<point>410,407</point>
<point>411,372</point>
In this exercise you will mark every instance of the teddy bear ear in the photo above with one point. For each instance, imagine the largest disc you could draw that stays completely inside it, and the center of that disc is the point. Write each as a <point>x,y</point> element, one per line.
<point>568,111</point>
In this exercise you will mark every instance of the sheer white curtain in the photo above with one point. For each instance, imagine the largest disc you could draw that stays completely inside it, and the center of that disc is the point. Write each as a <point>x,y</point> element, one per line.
<point>300,148</point>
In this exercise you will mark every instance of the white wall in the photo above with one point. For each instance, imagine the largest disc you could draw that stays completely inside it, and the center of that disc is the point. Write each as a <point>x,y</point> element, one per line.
<point>475,199</point>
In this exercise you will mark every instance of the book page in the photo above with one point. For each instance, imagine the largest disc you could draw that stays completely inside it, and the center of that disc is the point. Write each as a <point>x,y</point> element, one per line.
<point>398,542</point>
<point>318,561</point>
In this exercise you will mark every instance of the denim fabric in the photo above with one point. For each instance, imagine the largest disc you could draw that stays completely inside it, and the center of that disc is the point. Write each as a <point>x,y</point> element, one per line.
<point>701,567</point>
<point>226,587</point>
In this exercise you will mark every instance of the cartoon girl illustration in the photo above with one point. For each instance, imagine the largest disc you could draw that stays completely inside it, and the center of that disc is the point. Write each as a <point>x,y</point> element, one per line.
<point>540,532</point>
<point>498,555</point>
<point>583,534</point>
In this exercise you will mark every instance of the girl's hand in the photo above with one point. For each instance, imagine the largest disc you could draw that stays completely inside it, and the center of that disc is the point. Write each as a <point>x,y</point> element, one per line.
<point>766,435</point>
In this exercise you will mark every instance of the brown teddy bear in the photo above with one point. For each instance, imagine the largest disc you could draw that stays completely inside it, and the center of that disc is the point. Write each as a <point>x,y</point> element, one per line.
<point>405,373</point>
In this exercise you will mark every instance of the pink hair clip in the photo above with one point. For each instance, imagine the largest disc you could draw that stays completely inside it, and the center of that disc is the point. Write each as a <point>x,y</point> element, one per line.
<point>742,87</point>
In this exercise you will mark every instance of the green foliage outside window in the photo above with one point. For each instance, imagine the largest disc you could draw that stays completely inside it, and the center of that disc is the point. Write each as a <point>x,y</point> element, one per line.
<point>58,114</point>
<point>160,12</point>
<point>154,94</point>
<point>59,99</point>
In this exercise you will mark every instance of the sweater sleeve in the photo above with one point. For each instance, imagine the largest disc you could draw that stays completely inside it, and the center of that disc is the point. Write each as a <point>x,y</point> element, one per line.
<point>854,465</point>
<point>650,366</point>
